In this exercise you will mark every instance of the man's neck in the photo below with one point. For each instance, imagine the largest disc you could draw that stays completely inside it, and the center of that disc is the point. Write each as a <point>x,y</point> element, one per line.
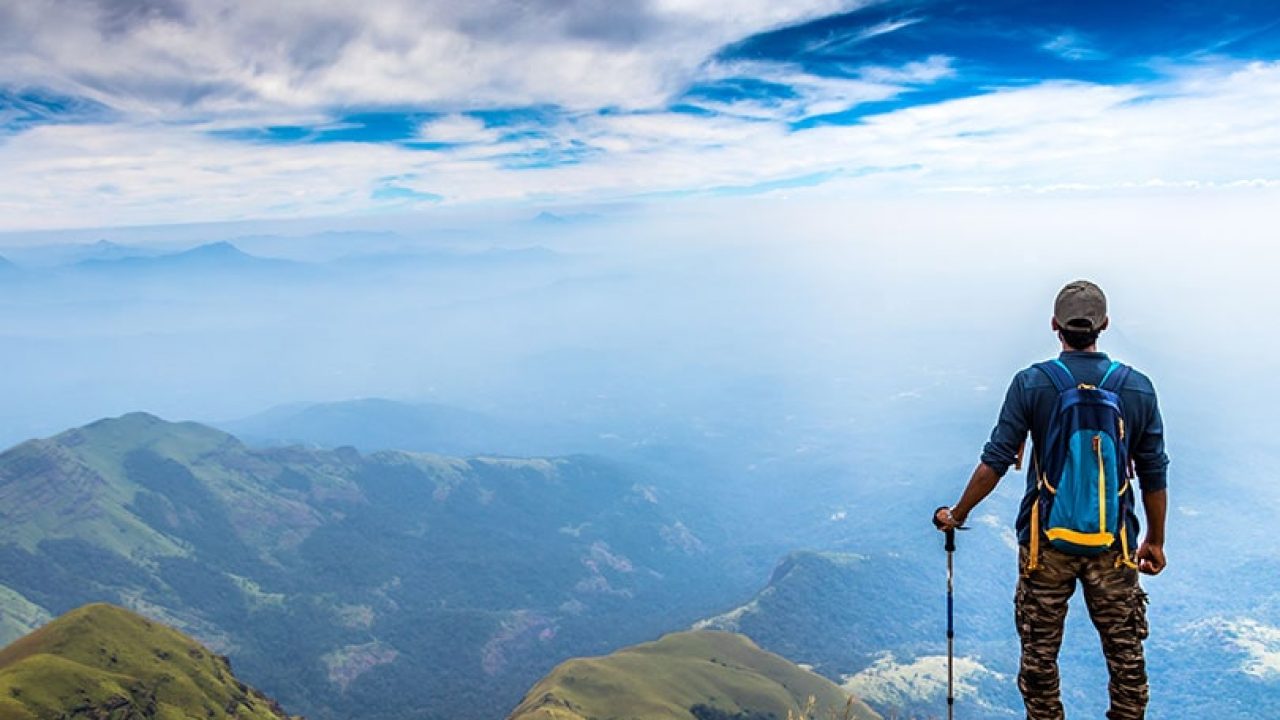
<point>1091,348</point>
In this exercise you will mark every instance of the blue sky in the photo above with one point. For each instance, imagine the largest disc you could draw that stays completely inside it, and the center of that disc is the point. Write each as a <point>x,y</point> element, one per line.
<point>120,112</point>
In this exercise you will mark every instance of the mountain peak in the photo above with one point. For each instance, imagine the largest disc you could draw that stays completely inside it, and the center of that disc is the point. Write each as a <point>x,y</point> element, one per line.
<point>808,559</point>
<point>103,660</point>
<point>53,637</point>
<point>220,249</point>
<point>106,256</point>
<point>684,675</point>
<point>129,422</point>
<point>143,429</point>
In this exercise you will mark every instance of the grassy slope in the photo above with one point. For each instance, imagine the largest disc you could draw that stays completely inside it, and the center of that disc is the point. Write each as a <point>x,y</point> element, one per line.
<point>663,679</point>
<point>74,485</point>
<point>77,485</point>
<point>101,657</point>
<point>48,490</point>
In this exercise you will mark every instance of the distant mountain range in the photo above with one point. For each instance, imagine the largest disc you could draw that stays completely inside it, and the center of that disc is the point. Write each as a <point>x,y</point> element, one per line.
<point>688,676</point>
<point>380,424</point>
<point>559,219</point>
<point>105,250</point>
<point>396,583</point>
<point>101,661</point>
<point>376,424</point>
<point>218,256</point>
<point>105,258</point>
<point>47,256</point>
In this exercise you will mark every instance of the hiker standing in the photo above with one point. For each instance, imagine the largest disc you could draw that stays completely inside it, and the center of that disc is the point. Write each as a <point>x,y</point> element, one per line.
<point>1095,427</point>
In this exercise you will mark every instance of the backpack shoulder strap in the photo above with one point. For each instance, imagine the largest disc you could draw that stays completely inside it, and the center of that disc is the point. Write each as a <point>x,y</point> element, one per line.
<point>1058,373</point>
<point>1115,378</point>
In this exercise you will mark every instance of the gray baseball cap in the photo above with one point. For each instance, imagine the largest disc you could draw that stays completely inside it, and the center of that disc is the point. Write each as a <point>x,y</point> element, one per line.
<point>1080,305</point>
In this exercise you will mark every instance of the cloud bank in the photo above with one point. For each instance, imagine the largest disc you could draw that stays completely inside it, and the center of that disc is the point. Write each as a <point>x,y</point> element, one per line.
<point>118,112</point>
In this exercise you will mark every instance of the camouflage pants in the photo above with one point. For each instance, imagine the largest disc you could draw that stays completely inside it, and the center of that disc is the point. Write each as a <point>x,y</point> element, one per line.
<point>1117,607</point>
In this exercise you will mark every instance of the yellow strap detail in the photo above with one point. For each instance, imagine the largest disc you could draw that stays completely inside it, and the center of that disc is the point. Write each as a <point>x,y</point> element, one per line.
<point>1102,483</point>
<point>1124,550</point>
<point>1033,559</point>
<point>1099,539</point>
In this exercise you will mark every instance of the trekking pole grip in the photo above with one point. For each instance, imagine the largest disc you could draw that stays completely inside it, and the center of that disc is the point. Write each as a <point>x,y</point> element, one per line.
<point>950,532</point>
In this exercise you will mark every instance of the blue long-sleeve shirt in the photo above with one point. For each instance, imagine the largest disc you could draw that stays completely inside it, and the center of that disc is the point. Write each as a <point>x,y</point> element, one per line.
<point>1029,405</point>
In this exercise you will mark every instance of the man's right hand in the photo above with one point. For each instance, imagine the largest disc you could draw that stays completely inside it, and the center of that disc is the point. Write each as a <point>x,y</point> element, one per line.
<point>1151,559</point>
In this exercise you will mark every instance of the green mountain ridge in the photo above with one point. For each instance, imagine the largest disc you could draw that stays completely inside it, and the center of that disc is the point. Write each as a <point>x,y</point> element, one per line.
<point>396,582</point>
<point>101,661</point>
<point>686,676</point>
<point>826,609</point>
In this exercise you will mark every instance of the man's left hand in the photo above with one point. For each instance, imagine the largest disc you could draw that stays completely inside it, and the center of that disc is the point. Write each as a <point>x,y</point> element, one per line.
<point>944,520</point>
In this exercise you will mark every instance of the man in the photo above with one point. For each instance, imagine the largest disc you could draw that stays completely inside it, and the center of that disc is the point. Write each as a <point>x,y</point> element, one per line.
<point>1048,576</point>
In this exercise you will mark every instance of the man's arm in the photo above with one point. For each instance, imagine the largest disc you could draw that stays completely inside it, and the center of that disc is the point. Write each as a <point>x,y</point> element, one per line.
<point>1152,464</point>
<point>981,483</point>
<point>1155,504</point>
<point>997,455</point>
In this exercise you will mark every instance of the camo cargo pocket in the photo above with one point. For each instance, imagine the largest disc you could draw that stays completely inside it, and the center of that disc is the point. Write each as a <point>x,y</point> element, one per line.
<point>1139,617</point>
<point>1021,612</point>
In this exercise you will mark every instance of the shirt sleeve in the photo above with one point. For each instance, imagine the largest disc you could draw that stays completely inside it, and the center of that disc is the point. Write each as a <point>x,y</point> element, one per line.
<point>1149,457</point>
<point>1010,431</point>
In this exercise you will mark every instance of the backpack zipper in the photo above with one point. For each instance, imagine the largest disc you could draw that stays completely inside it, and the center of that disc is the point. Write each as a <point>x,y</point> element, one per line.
<point>1102,485</point>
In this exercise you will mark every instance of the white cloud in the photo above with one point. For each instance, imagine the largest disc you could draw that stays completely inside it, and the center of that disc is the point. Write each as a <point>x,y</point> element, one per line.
<point>1007,535</point>
<point>730,621</point>
<point>1209,128</point>
<point>166,57</point>
<point>892,684</point>
<point>1073,47</point>
<point>457,129</point>
<point>846,40</point>
<point>1258,642</point>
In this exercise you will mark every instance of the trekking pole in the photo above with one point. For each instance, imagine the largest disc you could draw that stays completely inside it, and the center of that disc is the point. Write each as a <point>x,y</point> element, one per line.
<point>950,547</point>
<point>951,626</point>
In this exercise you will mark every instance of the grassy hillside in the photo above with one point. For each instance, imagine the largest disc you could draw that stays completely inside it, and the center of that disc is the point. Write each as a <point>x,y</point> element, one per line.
<point>690,675</point>
<point>101,661</point>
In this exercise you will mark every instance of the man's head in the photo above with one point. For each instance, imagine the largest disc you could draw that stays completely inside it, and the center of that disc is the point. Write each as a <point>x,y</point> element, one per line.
<point>1079,314</point>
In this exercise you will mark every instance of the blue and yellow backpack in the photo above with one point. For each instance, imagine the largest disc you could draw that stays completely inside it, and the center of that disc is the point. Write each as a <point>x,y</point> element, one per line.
<point>1082,471</point>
